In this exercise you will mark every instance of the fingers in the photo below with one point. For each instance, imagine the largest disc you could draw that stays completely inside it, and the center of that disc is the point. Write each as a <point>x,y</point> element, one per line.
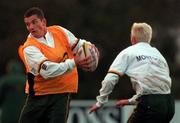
<point>93,108</point>
<point>96,49</point>
<point>87,64</point>
<point>85,61</point>
<point>122,103</point>
<point>119,104</point>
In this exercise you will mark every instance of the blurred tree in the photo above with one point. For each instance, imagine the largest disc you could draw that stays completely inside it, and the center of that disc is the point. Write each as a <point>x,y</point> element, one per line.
<point>12,94</point>
<point>106,22</point>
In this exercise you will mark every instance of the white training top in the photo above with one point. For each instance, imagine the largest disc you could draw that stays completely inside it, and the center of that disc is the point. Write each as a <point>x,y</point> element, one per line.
<point>146,67</point>
<point>34,57</point>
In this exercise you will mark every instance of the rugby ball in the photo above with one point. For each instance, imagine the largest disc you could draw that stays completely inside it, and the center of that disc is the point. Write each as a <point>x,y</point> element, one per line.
<point>87,50</point>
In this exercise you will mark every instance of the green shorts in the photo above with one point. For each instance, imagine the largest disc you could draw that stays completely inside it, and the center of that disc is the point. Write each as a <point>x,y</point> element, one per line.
<point>154,108</point>
<point>52,108</point>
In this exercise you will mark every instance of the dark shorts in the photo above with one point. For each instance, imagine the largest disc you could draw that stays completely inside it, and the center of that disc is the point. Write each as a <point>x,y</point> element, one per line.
<point>155,108</point>
<point>46,109</point>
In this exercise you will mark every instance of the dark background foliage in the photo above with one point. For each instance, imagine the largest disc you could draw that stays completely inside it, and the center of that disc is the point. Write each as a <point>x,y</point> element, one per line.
<point>106,23</point>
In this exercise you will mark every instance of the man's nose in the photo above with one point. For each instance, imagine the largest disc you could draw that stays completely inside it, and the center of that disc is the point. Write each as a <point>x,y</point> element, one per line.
<point>31,27</point>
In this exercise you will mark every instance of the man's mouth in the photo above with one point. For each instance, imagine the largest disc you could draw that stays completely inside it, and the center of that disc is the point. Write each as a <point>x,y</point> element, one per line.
<point>33,31</point>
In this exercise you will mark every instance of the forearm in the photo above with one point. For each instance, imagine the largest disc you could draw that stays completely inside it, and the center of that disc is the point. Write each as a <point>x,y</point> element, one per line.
<point>51,69</point>
<point>107,87</point>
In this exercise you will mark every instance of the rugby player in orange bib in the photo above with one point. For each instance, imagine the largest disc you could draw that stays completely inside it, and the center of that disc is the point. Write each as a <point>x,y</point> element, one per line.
<point>48,56</point>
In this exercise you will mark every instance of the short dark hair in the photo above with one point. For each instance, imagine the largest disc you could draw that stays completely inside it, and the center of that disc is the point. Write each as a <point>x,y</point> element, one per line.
<point>34,11</point>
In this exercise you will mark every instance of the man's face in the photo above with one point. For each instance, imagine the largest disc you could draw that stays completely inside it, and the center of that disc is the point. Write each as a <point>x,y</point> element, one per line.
<point>36,26</point>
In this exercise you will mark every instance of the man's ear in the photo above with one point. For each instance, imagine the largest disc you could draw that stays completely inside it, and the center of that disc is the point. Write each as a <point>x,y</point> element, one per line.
<point>44,21</point>
<point>133,40</point>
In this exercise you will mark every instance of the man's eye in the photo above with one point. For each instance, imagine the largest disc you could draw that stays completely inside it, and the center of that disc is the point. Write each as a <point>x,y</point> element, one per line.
<point>35,21</point>
<point>27,24</point>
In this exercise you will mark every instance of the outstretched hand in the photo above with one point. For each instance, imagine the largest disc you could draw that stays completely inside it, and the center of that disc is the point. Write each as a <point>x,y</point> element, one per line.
<point>121,103</point>
<point>85,64</point>
<point>93,108</point>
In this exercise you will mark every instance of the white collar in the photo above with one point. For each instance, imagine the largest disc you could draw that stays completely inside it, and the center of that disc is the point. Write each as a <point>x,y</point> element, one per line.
<point>47,39</point>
